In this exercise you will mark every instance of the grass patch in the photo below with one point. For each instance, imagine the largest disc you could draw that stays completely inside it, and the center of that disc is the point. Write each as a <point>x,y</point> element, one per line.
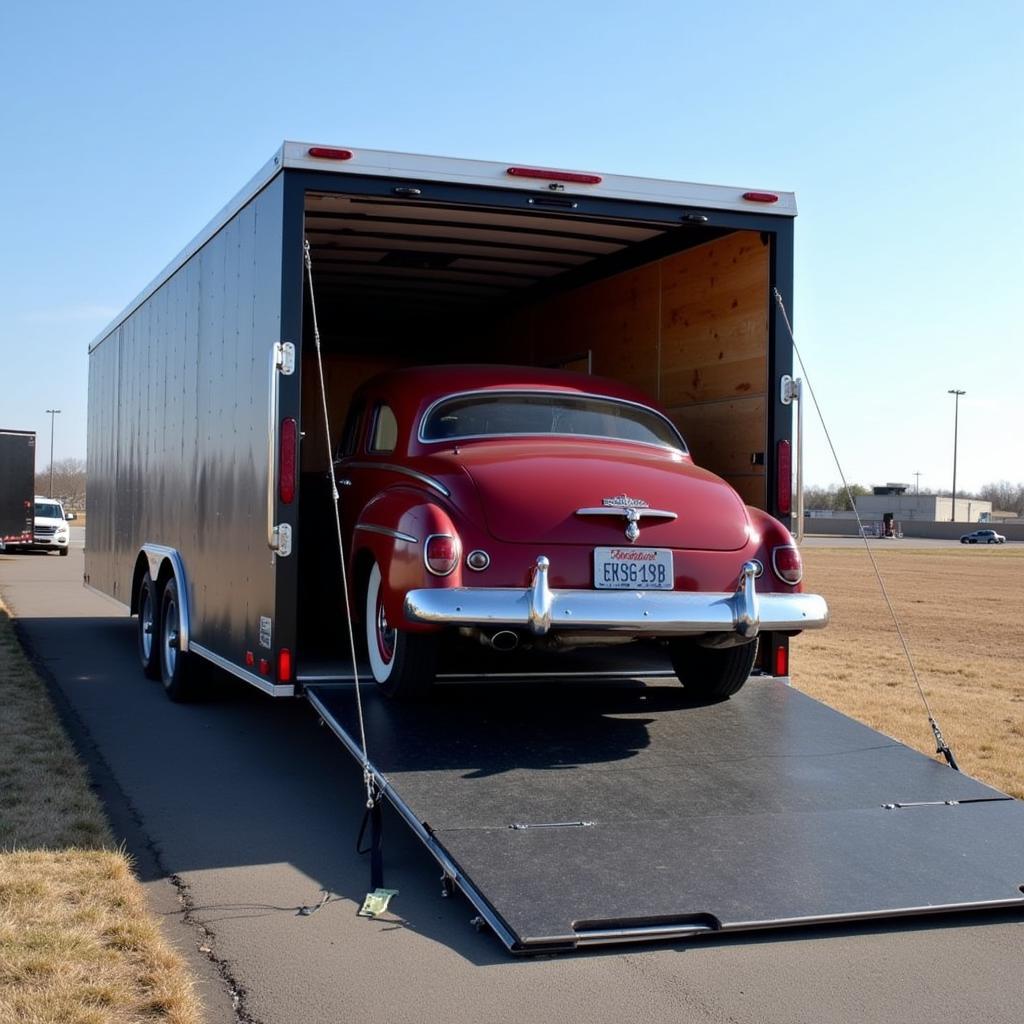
<point>960,610</point>
<point>77,942</point>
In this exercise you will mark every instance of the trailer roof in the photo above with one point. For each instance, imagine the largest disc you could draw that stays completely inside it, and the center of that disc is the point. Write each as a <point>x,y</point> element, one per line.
<point>510,176</point>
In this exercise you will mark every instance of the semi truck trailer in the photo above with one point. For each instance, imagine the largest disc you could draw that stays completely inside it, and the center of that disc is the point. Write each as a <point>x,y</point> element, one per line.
<point>17,486</point>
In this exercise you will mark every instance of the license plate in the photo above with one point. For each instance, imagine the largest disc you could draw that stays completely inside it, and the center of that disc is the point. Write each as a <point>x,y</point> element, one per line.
<point>632,569</point>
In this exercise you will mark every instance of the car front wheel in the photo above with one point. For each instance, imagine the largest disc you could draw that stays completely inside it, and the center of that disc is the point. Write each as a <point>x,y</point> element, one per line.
<point>712,673</point>
<point>403,663</point>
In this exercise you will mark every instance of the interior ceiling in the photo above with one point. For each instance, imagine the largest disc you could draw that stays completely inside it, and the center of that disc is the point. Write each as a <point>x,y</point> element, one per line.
<point>420,258</point>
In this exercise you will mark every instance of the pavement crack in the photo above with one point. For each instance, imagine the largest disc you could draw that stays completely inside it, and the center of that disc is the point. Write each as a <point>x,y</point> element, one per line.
<point>207,947</point>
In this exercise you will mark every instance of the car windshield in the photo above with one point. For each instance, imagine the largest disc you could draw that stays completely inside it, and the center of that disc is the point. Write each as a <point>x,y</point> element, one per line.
<point>47,510</point>
<point>510,414</point>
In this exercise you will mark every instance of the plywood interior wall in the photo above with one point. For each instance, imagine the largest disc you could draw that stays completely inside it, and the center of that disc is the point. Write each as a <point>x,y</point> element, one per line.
<point>690,330</point>
<point>343,373</point>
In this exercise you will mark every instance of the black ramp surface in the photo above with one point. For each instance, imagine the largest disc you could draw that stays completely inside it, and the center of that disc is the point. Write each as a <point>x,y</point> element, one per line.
<point>764,809</point>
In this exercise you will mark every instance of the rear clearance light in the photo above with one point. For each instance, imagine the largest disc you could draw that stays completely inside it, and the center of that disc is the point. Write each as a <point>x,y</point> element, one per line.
<point>546,175</point>
<point>287,460</point>
<point>781,667</point>
<point>760,197</point>
<point>264,667</point>
<point>284,665</point>
<point>327,153</point>
<point>784,478</point>
<point>441,553</point>
<point>788,564</point>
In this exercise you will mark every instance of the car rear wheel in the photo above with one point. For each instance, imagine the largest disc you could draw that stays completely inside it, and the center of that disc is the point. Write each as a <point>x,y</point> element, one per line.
<point>177,667</point>
<point>403,663</point>
<point>147,631</point>
<point>712,673</point>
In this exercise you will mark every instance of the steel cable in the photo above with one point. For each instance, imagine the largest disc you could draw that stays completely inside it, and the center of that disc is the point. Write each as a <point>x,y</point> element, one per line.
<point>941,746</point>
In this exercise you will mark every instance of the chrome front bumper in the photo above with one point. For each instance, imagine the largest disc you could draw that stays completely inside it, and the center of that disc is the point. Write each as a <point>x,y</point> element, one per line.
<point>647,612</point>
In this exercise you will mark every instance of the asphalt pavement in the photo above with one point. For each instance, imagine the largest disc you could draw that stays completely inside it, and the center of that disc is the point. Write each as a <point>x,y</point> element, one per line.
<point>242,813</point>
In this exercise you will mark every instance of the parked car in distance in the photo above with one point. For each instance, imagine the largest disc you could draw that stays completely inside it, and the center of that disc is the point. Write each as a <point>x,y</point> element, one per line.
<point>548,509</point>
<point>50,526</point>
<point>983,537</point>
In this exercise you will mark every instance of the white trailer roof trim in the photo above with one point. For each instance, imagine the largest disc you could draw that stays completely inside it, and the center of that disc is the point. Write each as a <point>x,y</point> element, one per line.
<point>518,177</point>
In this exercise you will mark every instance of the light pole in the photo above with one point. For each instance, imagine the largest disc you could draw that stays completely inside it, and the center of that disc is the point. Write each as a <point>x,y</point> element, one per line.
<point>54,412</point>
<point>917,475</point>
<point>956,417</point>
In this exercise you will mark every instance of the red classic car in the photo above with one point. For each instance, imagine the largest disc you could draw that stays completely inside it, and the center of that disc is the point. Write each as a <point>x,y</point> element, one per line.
<point>550,508</point>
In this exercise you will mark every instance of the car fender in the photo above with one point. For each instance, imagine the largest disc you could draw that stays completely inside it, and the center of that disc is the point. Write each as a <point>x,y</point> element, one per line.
<point>393,527</point>
<point>771,533</point>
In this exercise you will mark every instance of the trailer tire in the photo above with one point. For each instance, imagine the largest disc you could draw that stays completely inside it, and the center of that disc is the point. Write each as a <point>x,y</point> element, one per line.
<point>712,673</point>
<point>148,628</point>
<point>403,663</point>
<point>177,668</point>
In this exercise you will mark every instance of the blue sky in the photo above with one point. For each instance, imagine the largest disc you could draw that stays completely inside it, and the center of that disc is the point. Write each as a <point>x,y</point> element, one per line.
<point>900,128</point>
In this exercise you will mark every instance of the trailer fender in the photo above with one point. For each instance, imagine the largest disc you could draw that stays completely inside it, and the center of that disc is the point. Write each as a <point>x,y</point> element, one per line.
<point>391,531</point>
<point>163,563</point>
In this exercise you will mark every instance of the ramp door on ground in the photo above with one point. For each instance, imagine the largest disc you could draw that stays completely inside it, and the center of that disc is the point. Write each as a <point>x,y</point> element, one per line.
<point>578,813</point>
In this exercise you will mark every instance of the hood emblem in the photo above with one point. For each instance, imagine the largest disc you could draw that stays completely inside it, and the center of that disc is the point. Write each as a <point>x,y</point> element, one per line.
<point>624,501</point>
<point>631,509</point>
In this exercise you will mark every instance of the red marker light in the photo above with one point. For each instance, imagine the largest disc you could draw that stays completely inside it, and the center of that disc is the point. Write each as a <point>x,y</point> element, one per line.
<point>250,659</point>
<point>327,153</point>
<point>784,478</point>
<point>286,461</point>
<point>284,665</point>
<point>781,661</point>
<point>547,175</point>
<point>761,197</point>
<point>264,667</point>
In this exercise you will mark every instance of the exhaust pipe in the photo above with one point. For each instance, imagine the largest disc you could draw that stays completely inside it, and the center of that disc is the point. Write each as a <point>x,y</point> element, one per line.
<point>504,640</point>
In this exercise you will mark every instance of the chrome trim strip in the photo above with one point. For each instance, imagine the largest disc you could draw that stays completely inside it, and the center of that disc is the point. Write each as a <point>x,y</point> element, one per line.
<point>274,689</point>
<point>537,390</point>
<point>405,471</point>
<point>432,845</point>
<point>637,612</point>
<point>627,511</point>
<point>386,531</point>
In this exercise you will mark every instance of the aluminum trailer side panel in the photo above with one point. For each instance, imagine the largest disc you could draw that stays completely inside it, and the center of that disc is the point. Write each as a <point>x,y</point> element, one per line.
<point>576,814</point>
<point>178,430</point>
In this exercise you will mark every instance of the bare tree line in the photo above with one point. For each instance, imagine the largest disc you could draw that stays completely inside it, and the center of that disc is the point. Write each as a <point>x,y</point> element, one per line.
<point>68,483</point>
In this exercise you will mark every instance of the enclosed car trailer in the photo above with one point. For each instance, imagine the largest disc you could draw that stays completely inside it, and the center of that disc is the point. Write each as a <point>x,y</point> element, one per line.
<point>651,817</point>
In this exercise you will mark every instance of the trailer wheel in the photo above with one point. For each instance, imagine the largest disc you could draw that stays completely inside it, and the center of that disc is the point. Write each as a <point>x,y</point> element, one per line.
<point>177,670</point>
<point>712,673</point>
<point>147,631</point>
<point>403,663</point>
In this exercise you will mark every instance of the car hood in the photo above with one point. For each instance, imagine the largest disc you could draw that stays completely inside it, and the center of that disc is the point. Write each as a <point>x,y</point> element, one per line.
<point>532,493</point>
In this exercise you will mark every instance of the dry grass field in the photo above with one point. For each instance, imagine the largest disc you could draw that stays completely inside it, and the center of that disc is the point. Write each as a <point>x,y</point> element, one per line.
<point>77,942</point>
<point>961,609</point>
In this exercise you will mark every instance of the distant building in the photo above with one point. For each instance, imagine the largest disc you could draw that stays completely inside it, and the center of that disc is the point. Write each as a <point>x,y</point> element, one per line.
<point>893,498</point>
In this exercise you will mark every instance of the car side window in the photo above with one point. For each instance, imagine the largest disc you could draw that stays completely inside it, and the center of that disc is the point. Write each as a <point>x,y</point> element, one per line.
<point>350,434</point>
<point>384,436</point>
